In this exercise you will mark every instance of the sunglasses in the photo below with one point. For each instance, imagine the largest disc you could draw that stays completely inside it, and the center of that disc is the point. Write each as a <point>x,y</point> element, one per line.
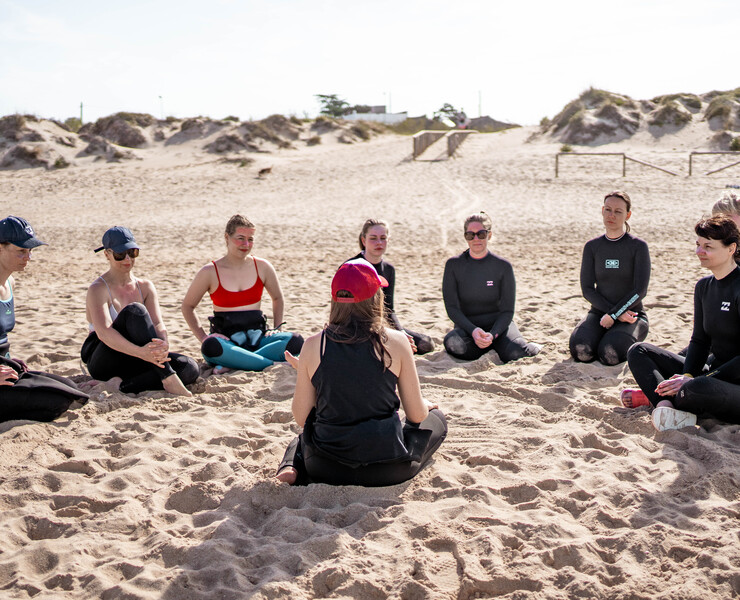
<point>132,252</point>
<point>481,235</point>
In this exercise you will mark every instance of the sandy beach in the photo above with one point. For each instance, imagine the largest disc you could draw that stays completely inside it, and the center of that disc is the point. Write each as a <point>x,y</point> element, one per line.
<point>545,486</point>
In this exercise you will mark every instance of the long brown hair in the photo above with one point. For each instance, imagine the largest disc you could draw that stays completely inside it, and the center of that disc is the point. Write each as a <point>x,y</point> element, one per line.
<point>354,322</point>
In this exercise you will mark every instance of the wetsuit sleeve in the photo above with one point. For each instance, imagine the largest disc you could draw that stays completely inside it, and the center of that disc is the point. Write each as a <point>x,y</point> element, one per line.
<point>700,343</point>
<point>729,371</point>
<point>390,313</point>
<point>641,279</point>
<point>588,282</point>
<point>452,299</point>
<point>506,304</point>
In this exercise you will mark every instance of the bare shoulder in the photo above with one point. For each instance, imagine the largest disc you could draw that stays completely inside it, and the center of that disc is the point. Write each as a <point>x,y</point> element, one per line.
<point>397,341</point>
<point>146,285</point>
<point>263,263</point>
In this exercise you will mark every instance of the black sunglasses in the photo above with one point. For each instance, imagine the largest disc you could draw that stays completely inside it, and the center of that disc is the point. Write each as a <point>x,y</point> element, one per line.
<point>132,252</point>
<point>481,235</point>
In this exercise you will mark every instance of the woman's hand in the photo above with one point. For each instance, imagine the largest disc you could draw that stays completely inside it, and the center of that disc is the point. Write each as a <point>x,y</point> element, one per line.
<point>628,316</point>
<point>8,375</point>
<point>291,360</point>
<point>412,343</point>
<point>670,387</point>
<point>155,352</point>
<point>482,339</point>
<point>606,322</point>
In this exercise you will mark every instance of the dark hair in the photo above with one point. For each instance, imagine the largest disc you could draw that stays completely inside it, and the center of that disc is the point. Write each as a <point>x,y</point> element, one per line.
<point>480,217</point>
<point>721,228</point>
<point>624,197</point>
<point>372,223</point>
<point>238,221</point>
<point>354,322</point>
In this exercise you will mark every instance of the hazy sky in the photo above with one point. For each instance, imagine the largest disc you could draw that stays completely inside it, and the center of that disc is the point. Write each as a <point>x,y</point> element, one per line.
<point>252,58</point>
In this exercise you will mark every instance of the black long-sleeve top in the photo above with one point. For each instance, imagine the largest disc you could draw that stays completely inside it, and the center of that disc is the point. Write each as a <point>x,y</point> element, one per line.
<point>615,274</point>
<point>479,292</point>
<point>716,327</point>
<point>387,270</point>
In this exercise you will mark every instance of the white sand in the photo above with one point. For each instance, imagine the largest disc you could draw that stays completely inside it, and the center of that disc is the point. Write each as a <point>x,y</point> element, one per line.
<point>545,488</point>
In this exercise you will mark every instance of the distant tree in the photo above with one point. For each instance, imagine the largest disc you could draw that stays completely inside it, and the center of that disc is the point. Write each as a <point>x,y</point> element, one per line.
<point>332,105</point>
<point>447,111</point>
<point>73,123</point>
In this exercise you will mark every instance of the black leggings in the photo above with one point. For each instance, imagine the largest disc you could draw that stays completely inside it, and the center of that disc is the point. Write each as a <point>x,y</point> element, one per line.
<point>590,340</point>
<point>313,468</point>
<point>36,396</point>
<point>702,395</point>
<point>509,346</point>
<point>424,343</point>
<point>135,324</point>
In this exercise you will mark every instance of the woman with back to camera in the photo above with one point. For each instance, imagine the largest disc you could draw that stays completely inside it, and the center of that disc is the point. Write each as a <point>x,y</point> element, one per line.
<point>128,344</point>
<point>615,272</point>
<point>345,396</point>
<point>239,338</point>
<point>479,293</point>
<point>25,394</point>
<point>373,244</point>
<point>680,388</point>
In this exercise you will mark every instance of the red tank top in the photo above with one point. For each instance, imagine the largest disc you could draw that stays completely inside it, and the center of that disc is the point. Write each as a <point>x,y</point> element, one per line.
<point>228,299</point>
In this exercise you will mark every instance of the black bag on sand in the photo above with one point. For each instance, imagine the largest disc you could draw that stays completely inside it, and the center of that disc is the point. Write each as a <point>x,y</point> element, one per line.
<point>37,396</point>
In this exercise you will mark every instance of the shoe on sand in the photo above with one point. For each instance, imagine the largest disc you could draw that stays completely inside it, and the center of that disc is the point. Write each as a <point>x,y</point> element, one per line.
<point>633,398</point>
<point>665,418</point>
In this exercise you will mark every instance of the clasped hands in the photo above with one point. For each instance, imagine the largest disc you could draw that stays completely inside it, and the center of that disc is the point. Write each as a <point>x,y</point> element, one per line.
<point>628,316</point>
<point>482,339</point>
<point>156,352</point>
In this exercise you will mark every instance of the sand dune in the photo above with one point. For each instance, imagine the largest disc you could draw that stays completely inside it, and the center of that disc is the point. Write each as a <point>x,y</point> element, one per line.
<point>545,488</point>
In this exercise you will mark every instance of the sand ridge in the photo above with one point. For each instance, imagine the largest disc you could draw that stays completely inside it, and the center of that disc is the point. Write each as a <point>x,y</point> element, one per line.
<point>545,487</point>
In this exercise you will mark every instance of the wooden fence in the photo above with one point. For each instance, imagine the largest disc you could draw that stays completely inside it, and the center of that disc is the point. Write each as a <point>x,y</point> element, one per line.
<point>691,160</point>
<point>625,158</point>
<point>424,139</point>
<point>455,137</point>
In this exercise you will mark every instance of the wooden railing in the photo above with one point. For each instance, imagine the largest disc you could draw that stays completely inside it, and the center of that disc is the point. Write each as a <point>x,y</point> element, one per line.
<point>625,158</point>
<point>455,138</point>
<point>424,139</point>
<point>691,159</point>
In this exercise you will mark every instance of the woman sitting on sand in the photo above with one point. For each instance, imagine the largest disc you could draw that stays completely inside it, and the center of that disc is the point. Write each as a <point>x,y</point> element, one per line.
<point>345,396</point>
<point>373,243</point>
<point>680,388</point>
<point>239,337</point>
<point>25,394</point>
<point>127,344</point>
<point>615,272</point>
<point>479,293</point>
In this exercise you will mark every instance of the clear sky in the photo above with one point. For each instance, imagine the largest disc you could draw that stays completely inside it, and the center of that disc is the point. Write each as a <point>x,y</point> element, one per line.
<point>252,58</point>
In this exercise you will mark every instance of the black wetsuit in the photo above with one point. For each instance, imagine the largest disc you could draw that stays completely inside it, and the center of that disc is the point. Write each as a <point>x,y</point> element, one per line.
<point>482,293</point>
<point>715,389</point>
<point>35,395</point>
<point>134,324</point>
<point>614,278</point>
<point>385,269</point>
<point>354,436</point>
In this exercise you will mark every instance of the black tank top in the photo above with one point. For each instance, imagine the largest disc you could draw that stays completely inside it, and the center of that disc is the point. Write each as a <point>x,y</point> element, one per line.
<point>356,418</point>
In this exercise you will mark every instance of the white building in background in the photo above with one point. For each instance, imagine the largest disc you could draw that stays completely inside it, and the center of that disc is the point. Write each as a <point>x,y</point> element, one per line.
<point>378,114</point>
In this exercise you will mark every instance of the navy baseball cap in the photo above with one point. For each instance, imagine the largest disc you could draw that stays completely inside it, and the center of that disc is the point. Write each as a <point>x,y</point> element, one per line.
<point>19,232</point>
<point>118,239</point>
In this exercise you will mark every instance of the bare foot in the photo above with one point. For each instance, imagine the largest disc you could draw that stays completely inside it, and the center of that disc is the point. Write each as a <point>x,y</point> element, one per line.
<point>174,386</point>
<point>287,475</point>
<point>221,370</point>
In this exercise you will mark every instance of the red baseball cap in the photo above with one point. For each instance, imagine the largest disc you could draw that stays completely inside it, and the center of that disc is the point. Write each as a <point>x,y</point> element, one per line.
<point>359,278</point>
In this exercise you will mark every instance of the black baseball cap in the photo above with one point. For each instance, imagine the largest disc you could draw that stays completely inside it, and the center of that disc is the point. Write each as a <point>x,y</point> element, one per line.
<point>19,232</point>
<point>118,239</point>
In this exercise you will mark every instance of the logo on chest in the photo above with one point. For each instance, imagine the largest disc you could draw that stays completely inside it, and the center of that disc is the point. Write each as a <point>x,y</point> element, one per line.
<point>725,307</point>
<point>489,283</point>
<point>611,263</point>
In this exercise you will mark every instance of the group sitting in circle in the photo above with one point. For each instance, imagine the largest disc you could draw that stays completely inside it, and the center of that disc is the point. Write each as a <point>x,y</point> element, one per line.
<point>353,376</point>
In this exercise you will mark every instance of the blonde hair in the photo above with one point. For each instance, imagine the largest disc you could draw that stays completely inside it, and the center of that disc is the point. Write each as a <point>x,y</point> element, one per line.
<point>238,221</point>
<point>728,204</point>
